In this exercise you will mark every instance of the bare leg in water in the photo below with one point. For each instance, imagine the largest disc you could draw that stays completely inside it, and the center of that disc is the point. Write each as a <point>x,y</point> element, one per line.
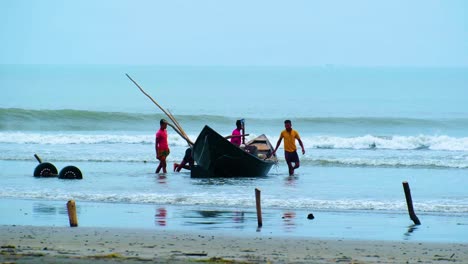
<point>162,165</point>
<point>292,168</point>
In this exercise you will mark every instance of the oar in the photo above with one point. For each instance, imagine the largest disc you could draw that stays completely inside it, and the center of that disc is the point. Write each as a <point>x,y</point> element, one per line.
<point>234,136</point>
<point>179,129</point>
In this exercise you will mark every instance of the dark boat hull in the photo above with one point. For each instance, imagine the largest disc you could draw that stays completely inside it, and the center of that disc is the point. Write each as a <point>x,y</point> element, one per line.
<point>217,157</point>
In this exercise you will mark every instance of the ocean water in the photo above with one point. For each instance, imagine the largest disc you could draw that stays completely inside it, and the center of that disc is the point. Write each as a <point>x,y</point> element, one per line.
<point>365,130</point>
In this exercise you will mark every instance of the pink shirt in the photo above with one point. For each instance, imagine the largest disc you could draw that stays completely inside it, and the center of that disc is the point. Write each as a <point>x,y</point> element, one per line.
<point>236,140</point>
<point>161,139</point>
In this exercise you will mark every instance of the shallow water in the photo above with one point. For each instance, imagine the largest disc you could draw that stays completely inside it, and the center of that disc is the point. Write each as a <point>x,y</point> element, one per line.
<point>365,132</point>
<point>243,222</point>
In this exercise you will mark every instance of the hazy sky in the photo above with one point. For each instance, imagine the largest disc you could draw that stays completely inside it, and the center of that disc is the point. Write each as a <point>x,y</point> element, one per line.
<point>241,32</point>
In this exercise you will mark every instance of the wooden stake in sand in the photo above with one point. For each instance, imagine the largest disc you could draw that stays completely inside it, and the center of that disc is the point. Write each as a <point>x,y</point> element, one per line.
<point>409,202</point>
<point>259,207</point>
<point>72,213</point>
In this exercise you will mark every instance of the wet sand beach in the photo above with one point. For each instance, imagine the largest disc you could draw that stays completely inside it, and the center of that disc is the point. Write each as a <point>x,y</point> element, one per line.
<point>32,244</point>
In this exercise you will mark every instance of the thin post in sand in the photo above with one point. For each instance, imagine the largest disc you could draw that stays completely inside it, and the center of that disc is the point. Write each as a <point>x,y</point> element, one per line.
<point>259,207</point>
<point>409,202</point>
<point>72,213</point>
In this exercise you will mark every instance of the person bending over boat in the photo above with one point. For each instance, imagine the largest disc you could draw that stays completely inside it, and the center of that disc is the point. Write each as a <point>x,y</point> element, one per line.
<point>161,146</point>
<point>236,134</point>
<point>186,163</point>
<point>290,150</point>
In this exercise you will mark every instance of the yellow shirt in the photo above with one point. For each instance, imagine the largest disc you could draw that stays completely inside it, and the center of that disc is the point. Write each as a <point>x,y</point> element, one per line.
<point>290,140</point>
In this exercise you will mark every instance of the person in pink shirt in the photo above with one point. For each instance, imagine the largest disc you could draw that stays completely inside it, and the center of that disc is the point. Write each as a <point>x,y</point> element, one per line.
<point>161,146</point>
<point>236,134</point>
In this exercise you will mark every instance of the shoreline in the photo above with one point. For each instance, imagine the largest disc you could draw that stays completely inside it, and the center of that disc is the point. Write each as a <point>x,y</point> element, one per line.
<point>33,244</point>
<point>282,223</point>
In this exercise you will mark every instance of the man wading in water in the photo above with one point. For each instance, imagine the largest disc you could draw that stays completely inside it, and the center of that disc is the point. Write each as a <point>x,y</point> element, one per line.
<point>161,146</point>
<point>290,154</point>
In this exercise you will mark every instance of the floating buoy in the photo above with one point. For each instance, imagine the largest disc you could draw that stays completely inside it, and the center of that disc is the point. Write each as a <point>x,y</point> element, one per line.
<point>45,169</point>
<point>70,172</point>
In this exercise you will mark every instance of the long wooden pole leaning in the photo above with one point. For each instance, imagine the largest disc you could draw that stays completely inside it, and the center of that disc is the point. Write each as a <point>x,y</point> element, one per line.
<point>177,127</point>
<point>168,114</point>
<point>176,123</point>
<point>180,134</point>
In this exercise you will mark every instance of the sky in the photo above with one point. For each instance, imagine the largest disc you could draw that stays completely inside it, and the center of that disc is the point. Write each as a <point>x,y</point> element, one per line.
<point>243,32</point>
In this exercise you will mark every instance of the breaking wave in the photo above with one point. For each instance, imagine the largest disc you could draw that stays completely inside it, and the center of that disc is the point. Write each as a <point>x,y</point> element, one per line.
<point>421,142</point>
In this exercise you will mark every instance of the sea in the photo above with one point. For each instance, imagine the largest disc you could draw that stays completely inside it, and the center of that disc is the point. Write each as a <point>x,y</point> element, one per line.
<point>366,130</point>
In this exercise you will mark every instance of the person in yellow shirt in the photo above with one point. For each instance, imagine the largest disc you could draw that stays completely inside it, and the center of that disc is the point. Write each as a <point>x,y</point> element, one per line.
<point>290,154</point>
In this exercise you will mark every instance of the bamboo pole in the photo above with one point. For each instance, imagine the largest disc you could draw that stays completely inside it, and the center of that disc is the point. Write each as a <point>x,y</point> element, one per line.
<point>72,213</point>
<point>409,202</point>
<point>179,129</point>
<point>168,114</point>
<point>176,123</point>
<point>243,131</point>
<point>259,207</point>
<point>180,134</point>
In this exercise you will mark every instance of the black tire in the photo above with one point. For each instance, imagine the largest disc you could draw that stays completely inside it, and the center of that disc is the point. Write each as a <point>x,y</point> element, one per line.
<point>70,172</point>
<point>45,169</point>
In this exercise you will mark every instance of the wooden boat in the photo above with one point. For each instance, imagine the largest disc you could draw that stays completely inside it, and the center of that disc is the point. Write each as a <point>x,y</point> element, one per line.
<point>216,156</point>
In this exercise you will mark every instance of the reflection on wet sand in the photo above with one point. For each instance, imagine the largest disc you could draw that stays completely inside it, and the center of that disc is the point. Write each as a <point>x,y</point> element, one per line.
<point>160,216</point>
<point>288,221</point>
<point>216,219</point>
<point>43,209</point>
<point>411,229</point>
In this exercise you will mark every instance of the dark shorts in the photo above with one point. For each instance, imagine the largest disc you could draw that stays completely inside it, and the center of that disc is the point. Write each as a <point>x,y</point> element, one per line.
<point>162,154</point>
<point>291,156</point>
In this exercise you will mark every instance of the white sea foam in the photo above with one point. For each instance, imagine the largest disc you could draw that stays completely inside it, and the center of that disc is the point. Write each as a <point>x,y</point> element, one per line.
<point>420,142</point>
<point>85,139</point>
<point>437,162</point>
<point>393,142</point>
<point>368,150</point>
<point>218,200</point>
